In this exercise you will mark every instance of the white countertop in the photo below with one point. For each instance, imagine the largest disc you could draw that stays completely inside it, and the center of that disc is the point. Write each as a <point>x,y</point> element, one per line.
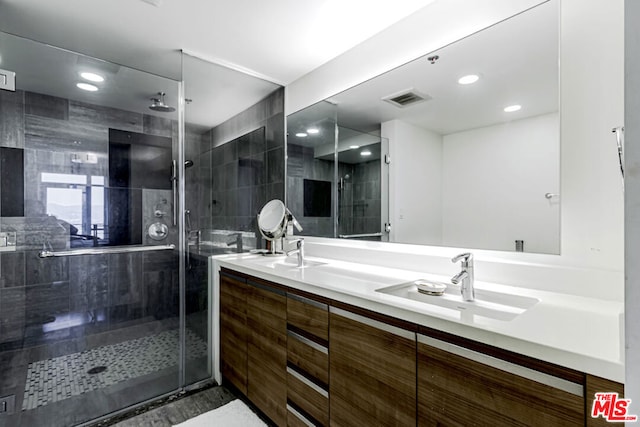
<point>582,333</point>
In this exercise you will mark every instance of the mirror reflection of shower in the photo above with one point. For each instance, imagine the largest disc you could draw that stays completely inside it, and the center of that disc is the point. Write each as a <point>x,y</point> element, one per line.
<point>358,187</point>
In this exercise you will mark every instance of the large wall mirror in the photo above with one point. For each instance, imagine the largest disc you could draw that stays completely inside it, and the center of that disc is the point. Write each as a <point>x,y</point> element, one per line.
<point>471,135</point>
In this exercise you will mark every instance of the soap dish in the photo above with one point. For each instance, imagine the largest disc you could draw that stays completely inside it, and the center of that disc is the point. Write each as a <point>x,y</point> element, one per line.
<point>430,287</point>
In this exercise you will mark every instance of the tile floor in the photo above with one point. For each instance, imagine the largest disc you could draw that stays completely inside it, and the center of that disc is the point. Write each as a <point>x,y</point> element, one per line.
<point>79,399</point>
<point>55,379</point>
<point>179,410</point>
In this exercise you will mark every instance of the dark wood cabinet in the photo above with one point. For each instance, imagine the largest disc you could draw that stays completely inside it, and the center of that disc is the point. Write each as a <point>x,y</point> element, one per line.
<point>307,361</point>
<point>233,330</point>
<point>267,349</point>
<point>461,387</point>
<point>373,372</point>
<point>253,342</point>
<point>599,385</point>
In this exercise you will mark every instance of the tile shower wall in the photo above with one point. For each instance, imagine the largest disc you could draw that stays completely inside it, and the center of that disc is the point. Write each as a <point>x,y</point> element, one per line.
<point>240,167</point>
<point>360,209</point>
<point>301,165</point>
<point>43,300</point>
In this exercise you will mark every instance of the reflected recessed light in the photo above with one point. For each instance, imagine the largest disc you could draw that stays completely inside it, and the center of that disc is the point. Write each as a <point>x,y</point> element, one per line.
<point>87,86</point>
<point>301,134</point>
<point>354,147</point>
<point>512,108</point>
<point>312,131</point>
<point>467,80</point>
<point>92,77</point>
<point>365,153</point>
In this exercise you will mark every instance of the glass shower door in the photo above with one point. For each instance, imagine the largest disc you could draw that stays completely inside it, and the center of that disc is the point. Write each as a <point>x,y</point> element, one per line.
<point>89,266</point>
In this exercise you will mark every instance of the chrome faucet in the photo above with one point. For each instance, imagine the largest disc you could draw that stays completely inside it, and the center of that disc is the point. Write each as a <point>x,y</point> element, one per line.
<point>237,241</point>
<point>465,277</point>
<point>298,250</point>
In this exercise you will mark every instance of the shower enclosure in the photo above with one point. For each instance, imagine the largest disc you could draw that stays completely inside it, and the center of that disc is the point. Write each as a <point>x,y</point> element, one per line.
<point>104,297</point>
<point>337,177</point>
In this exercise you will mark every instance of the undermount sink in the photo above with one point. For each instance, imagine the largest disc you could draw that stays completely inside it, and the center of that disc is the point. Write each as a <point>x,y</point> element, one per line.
<point>489,304</point>
<point>288,263</point>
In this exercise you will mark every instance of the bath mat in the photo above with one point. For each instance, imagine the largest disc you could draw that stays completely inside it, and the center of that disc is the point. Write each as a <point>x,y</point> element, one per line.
<point>233,414</point>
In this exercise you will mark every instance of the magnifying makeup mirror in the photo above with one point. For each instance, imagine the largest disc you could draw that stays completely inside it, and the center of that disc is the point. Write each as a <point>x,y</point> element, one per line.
<point>274,221</point>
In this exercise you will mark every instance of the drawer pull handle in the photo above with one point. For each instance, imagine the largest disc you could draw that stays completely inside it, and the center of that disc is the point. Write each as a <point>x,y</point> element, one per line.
<point>503,365</point>
<point>324,393</point>
<point>299,416</point>
<point>308,342</point>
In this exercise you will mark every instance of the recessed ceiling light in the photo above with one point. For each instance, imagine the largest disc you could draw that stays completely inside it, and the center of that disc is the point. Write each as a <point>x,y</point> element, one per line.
<point>313,131</point>
<point>87,87</point>
<point>512,108</point>
<point>301,135</point>
<point>354,147</point>
<point>92,77</point>
<point>467,80</point>
<point>365,153</point>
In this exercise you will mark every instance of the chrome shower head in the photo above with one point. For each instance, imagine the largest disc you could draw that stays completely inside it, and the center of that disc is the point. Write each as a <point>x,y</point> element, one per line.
<point>159,105</point>
<point>188,163</point>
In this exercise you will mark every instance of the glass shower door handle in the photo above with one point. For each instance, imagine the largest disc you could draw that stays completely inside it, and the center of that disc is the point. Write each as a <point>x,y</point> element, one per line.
<point>174,191</point>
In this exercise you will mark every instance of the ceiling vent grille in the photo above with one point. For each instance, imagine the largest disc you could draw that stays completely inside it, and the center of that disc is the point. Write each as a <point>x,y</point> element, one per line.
<point>406,98</point>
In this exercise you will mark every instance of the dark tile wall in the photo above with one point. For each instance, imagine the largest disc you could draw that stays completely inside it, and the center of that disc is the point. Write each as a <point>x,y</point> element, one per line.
<point>246,162</point>
<point>301,165</point>
<point>45,300</point>
<point>359,199</point>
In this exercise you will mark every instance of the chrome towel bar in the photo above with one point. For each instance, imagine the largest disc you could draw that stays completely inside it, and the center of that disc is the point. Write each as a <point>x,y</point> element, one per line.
<point>106,250</point>
<point>354,236</point>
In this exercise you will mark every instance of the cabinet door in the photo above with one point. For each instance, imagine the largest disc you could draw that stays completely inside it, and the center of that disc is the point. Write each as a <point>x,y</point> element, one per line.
<point>594,385</point>
<point>267,350</point>
<point>460,387</point>
<point>233,327</point>
<point>373,372</point>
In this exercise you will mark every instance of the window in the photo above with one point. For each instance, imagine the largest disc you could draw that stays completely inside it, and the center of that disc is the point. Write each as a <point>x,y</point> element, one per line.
<point>78,200</point>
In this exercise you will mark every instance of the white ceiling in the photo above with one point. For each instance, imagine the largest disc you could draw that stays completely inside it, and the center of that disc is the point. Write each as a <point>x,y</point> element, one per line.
<point>517,61</point>
<point>280,40</point>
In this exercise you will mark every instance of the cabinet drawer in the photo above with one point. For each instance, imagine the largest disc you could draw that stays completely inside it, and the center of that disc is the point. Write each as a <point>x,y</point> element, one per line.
<point>312,399</point>
<point>309,356</point>
<point>462,387</point>
<point>308,315</point>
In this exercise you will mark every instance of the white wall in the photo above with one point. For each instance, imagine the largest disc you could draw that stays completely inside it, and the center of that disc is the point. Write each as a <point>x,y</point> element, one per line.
<point>591,104</point>
<point>493,184</point>
<point>632,202</point>
<point>415,183</point>
<point>428,29</point>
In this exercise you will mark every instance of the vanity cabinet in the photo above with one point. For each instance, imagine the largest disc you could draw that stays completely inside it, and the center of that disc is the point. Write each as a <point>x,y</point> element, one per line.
<point>253,341</point>
<point>307,361</point>
<point>373,371</point>
<point>233,330</point>
<point>458,386</point>
<point>267,349</point>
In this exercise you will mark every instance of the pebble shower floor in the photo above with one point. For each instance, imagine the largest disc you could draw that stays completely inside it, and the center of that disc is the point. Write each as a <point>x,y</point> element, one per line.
<point>59,378</point>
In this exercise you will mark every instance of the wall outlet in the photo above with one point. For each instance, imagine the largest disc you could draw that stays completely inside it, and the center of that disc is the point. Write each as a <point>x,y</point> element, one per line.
<point>7,80</point>
<point>7,242</point>
<point>7,405</point>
